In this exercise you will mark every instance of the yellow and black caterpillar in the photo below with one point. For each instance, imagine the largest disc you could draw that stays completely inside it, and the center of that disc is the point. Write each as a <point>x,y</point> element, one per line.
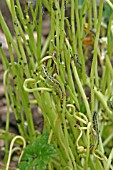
<point>95,125</point>
<point>53,81</point>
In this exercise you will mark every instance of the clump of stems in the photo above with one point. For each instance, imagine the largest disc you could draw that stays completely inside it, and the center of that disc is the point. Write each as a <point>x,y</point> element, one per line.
<point>56,76</point>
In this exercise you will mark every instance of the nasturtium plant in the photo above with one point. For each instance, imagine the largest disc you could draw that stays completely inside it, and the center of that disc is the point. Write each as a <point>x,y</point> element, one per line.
<point>37,154</point>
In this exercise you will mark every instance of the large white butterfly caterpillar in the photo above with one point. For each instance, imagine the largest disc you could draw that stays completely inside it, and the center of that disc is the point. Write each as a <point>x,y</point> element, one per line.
<point>95,125</point>
<point>95,132</point>
<point>54,81</point>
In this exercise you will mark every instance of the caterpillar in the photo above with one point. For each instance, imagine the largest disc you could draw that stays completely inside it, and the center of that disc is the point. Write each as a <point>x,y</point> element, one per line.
<point>76,60</point>
<point>54,81</point>
<point>94,132</point>
<point>95,125</point>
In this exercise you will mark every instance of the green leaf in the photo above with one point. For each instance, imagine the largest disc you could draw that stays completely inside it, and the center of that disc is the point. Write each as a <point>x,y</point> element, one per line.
<point>37,154</point>
<point>107,10</point>
<point>80,2</point>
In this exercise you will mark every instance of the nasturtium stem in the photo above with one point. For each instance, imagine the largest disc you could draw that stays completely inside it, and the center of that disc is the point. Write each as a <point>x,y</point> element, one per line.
<point>107,140</point>
<point>109,160</point>
<point>11,146</point>
<point>4,59</point>
<point>95,13</point>
<point>79,36</point>
<point>81,90</point>
<point>88,145</point>
<point>109,34</point>
<point>109,3</point>
<point>45,46</point>
<point>94,62</point>
<point>102,99</point>
<point>5,78</point>
<point>108,63</point>
<point>39,32</point>
<point>73,39</point>
<point>33,81</point>
<point>52,31</point>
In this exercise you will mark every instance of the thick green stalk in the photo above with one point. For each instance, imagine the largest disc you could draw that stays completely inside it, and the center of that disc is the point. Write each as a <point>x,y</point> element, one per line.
<point>94,62</point>
<point>81,90</point>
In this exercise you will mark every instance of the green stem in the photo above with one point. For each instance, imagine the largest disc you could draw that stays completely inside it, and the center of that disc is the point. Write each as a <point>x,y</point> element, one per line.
<point>81,90</point>
<point>7,114</point>
<point>109,3</point>
<point>94,62</point>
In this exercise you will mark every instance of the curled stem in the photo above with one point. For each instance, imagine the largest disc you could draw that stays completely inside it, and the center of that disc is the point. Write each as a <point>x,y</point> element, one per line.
<point>11,149</point>
<point>33,81</point>
<point>80,149</point>
<point>80,119</point>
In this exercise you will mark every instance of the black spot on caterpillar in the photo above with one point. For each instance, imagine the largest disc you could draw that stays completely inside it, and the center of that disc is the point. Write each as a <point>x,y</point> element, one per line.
<point>54,7</point>
<point>14,77</point>
<point>18,121</point>
<point>65,5</point>
<point>21,58</point>
<point>15,23</point>
<point>54,81</point>
<point>14,106</point>
<point>83,15</point>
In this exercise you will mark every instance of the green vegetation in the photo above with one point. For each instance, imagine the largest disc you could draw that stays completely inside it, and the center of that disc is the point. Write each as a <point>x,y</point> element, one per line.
<point>70,78</point>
